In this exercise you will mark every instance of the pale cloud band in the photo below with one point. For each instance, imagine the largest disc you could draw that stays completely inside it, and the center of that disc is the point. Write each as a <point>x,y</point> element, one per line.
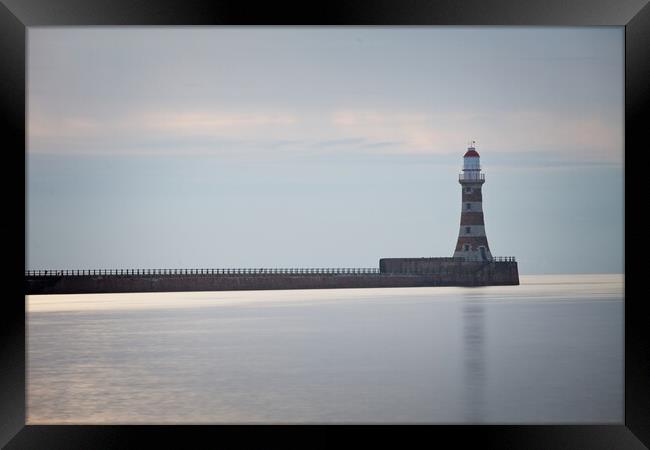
<point>385,132</point>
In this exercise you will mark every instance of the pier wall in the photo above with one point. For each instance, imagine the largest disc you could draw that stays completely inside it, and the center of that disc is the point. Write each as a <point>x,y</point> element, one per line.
<point>447,274</point>
<point>455,271</point>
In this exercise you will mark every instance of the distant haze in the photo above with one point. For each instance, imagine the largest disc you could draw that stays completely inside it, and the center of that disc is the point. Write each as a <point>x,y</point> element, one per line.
<point>166,147</point>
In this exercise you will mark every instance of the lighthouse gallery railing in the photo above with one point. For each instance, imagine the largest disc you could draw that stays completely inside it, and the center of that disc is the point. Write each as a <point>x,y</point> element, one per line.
<point>471,177</point>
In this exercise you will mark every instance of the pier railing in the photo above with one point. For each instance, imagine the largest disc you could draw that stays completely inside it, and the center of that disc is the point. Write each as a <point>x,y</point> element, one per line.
<point>233,271</point>
<point>479,259</point>
<point>198,272</point>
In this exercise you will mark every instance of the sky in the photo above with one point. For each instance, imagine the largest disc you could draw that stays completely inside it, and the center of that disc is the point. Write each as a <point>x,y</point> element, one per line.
<point>209,147</point>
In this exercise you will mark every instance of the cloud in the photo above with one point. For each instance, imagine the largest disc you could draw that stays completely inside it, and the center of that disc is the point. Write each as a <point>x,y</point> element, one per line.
<point>593,138</point>
<point>352,130</point>
<point>212,123</point>
<point>146,131</point>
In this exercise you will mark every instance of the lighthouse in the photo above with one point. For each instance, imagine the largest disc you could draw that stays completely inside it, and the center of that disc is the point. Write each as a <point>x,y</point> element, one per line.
<point>472,242</point>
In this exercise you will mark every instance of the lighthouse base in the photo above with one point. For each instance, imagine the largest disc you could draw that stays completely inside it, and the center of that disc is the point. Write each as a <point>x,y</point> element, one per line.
<point>455,271</point>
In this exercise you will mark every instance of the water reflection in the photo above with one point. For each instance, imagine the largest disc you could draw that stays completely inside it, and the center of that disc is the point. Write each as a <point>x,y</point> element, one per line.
<point>474,360</point>
<point>399,355</point>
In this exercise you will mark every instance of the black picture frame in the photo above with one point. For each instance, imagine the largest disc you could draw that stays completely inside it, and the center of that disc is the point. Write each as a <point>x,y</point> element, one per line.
<point>17,15</point>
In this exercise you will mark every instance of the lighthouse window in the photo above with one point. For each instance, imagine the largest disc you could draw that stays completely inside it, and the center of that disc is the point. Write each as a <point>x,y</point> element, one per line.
<point>468,190</point>
<point>469,206</point>
<point>466,247</point>
<point>468,230</point>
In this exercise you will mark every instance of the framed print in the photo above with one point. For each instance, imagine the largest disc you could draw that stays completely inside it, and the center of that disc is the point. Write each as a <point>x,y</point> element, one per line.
<point>237,215</point>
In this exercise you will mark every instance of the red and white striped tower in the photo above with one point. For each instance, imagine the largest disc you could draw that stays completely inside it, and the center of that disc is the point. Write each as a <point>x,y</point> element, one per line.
<point>472,242</point>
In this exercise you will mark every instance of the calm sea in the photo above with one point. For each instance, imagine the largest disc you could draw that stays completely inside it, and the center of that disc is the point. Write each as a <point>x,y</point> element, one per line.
<point>548,351</point>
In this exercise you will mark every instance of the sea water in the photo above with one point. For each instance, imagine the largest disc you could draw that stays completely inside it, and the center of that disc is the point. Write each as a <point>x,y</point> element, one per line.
<point>547,351</point>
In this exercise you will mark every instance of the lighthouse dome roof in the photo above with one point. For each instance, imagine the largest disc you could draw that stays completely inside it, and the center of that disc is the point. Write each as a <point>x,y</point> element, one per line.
<point>471,153</point>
